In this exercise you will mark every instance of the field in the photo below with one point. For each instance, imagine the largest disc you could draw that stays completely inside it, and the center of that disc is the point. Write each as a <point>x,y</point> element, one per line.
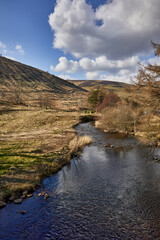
<point>38,112</point>
<point>35,142</point>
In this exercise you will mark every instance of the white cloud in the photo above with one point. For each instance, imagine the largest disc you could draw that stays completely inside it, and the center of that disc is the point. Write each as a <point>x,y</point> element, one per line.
<point>64,65</point>
<point>72,22</point>
<point>121,76</point>
<point>103,64</point>
<point>99,68</point>
<point>92,75</point>
<point>66,77</point>
<point>2,45</point>
<point>94,66</point>
<point>112,49</point>
<point>52,68</point>
<point>19,49</point>
<point>152,60</point>
<point>127,28</point>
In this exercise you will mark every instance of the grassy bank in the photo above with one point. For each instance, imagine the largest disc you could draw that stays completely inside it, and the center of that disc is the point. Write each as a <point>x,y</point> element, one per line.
<point>34,143</point>
<point>124,119</point>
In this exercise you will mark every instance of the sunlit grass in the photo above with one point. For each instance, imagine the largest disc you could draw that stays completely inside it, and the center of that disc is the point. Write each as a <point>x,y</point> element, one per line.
<point>78,143</point>
<point>33,144</point>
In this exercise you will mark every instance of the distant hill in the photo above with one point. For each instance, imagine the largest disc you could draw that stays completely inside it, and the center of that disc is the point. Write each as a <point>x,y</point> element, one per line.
<point>15,75</point>
<point>108,85</point>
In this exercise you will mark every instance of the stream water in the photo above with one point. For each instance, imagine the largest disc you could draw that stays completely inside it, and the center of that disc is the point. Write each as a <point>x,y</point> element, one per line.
<point>105,193</point>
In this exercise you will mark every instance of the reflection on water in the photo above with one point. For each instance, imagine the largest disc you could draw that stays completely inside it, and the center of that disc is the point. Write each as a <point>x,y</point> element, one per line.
<point>105,193</point>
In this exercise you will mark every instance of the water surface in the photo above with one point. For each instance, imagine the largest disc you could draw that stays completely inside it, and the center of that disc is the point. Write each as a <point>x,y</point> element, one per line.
<point>105,193</point>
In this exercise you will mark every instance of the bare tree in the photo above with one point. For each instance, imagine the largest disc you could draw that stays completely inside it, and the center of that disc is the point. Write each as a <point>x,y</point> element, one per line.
<point>15,95</point>
<point>148,81</point>
<point>45,101</point>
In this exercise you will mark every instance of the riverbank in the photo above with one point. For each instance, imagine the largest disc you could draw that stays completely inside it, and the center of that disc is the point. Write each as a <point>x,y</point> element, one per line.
<point>124,120</point>
<point>103,194</point>
<point>34,143</point>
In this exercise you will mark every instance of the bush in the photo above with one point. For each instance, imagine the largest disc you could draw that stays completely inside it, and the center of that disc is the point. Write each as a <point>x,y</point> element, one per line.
<point>93,98</point>
<point>117,119</point>
<point>110,100</point>
<point>96,97</point>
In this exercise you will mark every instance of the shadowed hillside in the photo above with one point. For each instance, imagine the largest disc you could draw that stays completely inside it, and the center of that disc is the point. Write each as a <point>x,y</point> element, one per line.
<point>17,76</point>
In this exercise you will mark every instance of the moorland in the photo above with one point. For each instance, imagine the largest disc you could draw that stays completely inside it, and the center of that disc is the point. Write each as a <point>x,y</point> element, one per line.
<point>38,112</point>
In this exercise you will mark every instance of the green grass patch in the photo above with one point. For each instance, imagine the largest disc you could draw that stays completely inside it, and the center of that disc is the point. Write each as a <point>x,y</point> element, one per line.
<point>11,159</point>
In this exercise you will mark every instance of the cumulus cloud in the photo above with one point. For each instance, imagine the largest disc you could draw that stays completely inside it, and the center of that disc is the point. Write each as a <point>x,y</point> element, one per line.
<point>121,76</point>
<point>127,27</point>
<point>103,64</point>
<point>73,24</point>
<point>92,66</point>
<point>66,77</point>
<point>92,76</point>
<point>152,60</point>
<point>65,65</point>
<point>19,49</point>
<point>109,41</point>
<point>52,68</point>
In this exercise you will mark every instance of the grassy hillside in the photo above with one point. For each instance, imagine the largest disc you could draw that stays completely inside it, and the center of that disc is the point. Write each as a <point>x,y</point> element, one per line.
<point>19,79</point>
<point>37,114</point>
<point>108,85</point>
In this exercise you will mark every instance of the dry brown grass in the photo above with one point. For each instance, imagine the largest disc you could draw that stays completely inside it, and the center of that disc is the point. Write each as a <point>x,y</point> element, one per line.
<point>116,119</point>
<point>33,143</point>
<point>78,143</point>
<point>131,117</point>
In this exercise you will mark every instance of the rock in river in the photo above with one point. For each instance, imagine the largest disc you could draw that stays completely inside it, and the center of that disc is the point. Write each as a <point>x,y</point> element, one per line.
<point>18,201</point>
<point>2,204</point>
<point>22,212</point>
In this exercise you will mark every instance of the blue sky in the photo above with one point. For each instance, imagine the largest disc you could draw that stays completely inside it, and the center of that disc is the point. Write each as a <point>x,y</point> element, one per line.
<point>25,23</point>
<point>78,39</point>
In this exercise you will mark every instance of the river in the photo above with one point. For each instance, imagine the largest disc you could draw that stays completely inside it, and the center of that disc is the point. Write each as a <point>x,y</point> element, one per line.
<point>105,193</point>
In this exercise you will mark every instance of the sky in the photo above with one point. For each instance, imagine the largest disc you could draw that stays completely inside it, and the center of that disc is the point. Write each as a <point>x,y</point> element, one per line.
<point>81,39</point>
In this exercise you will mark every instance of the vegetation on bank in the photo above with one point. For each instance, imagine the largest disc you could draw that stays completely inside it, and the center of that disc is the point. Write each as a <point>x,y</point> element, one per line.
<point>37,136</point>
<point>135,110</point>
<point>37,114</point>
<point>77,143</point>
<point>34,143</point>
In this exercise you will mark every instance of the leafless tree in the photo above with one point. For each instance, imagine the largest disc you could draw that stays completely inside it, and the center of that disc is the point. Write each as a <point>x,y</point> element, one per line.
<point>148,81</point>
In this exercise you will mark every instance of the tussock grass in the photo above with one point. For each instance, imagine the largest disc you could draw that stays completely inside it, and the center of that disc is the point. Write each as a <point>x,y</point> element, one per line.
<point>78,143</point>
<point>33,144</point>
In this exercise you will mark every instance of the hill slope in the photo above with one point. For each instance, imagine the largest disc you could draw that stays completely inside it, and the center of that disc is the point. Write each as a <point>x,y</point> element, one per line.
<point>15,75</point>
<point>108,85</point>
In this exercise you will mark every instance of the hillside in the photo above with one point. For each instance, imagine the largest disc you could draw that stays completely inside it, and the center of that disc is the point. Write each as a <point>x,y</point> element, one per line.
<point>108,85</point>
<point>15,76</point>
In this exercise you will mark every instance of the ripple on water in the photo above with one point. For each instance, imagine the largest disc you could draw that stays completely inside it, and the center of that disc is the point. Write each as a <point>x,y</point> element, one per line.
<point>106,193</point>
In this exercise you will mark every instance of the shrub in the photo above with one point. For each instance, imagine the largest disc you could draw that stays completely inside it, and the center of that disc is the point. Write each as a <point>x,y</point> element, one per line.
<point>118,119</point>
<point>96,97</point>
<point>110,100</point>
<point>93,98</point>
